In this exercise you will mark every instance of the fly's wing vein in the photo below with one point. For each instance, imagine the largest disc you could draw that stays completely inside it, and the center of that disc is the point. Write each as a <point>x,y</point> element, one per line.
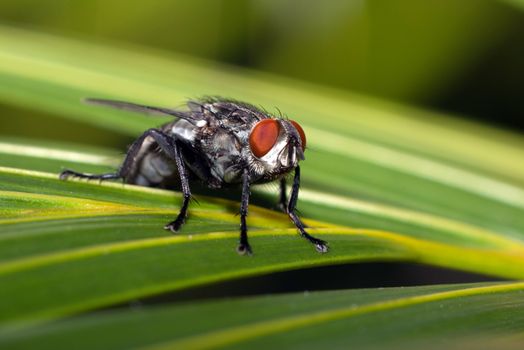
<point>149,110</point>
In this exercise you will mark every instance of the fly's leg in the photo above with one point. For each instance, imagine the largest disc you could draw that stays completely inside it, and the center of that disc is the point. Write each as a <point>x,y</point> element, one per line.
<point>64,175</point>
<point>320,245</point>
<point>282,203</point>
<point>184,181</point>
<point>244,247</point>
<point>121,173</point>
<point>166,144</point>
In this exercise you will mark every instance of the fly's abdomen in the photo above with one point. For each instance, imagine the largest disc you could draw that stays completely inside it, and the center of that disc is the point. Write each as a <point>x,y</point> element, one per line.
<point>155,170</point>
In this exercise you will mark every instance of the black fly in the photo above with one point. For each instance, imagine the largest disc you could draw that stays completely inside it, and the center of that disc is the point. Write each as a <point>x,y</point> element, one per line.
<point>221,143</point>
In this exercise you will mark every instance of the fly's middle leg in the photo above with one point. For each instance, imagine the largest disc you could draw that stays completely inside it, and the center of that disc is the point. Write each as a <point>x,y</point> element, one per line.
<point>243,247</point>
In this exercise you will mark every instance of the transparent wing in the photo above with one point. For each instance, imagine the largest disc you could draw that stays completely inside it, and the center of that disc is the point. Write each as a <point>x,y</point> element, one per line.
<point>149,110</point>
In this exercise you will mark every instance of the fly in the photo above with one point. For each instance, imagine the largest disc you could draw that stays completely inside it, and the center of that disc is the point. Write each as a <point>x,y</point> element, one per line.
<point>221,143</point>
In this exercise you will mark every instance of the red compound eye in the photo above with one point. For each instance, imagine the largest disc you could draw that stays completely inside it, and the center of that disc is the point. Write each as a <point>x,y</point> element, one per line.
<point>301,133</point>
<point>263,137</point>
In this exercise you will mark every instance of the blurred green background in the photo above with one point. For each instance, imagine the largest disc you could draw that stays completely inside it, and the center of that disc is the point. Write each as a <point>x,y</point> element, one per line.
<point>460,57</point>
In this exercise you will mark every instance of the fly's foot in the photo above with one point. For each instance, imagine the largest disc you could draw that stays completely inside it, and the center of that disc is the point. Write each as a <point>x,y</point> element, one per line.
<point>320,245</point>
<point>174,226</point>
<point>64,175</point>
<point>244,249</point>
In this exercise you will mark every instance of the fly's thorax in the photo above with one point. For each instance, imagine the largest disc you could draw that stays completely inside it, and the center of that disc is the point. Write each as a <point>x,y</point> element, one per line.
<point>214,147</point>
<point>183,130</point>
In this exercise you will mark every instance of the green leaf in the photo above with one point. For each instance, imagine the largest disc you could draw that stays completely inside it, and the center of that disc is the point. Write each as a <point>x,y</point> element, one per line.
<point>381,183</point>
<point>65,231</point>
<point>445,316</point>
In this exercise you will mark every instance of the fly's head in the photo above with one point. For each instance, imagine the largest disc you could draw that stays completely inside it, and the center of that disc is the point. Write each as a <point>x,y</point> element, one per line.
<point>276,146</point>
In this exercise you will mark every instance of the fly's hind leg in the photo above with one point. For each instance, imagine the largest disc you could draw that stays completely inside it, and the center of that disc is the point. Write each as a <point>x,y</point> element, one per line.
<point>64,175</point>
<point>121,173</point>
<point>167,144</point>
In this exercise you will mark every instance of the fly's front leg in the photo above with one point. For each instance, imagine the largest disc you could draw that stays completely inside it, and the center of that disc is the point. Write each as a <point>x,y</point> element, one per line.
<point>244,247</point>
<point>320,245</point>
<point>282,203</point>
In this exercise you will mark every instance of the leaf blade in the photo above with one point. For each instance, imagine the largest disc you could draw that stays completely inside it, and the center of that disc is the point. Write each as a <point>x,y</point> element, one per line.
<point>302,320</point>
